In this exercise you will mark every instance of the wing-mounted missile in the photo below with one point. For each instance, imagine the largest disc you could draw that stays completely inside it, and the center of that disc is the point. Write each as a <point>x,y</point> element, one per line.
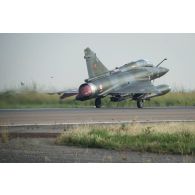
<point>163,89</point>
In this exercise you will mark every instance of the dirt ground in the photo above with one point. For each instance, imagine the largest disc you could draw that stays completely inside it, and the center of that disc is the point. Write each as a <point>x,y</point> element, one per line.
<point>44,150</point>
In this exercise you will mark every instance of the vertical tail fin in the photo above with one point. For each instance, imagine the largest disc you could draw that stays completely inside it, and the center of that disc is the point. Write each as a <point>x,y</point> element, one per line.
<point>94,65</point>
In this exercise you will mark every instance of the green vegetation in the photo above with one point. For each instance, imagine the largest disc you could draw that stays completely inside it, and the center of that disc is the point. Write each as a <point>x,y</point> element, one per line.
<point>32,99</point>
<point>175,138</point>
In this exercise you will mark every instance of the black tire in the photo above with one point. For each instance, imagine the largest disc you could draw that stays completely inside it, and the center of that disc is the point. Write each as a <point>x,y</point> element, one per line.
<point>140,103</point>
<point>98,103</point>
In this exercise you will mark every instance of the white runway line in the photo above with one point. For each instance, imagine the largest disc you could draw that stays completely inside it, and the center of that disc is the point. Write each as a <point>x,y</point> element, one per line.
<point>93,123</point>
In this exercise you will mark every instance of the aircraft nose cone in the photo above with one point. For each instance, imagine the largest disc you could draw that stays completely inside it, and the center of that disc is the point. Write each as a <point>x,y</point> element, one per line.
<point>163,71</point>
<point>166,70</point>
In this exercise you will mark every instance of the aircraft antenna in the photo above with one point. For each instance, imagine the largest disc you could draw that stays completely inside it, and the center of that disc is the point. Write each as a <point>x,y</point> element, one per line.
<point>161,62</point>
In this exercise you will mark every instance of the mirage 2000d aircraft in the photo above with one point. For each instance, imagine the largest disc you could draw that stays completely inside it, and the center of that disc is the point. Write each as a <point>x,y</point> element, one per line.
<point>130,81</point>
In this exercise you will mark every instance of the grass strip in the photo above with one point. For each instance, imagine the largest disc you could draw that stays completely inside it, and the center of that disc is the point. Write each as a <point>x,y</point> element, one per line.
<point>34,99</point>
<point>147,140</point>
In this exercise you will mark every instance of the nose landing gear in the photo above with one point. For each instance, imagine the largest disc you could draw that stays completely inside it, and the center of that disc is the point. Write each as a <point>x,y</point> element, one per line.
<point>140,103</point>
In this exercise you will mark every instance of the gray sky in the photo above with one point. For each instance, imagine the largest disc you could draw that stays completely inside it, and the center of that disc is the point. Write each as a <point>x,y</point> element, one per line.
<point>38,57</point>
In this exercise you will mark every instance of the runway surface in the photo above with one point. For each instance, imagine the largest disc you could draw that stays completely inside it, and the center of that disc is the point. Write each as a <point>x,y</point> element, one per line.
<point>93,115</point>
<point>43,150</point>
<point>41,126</point>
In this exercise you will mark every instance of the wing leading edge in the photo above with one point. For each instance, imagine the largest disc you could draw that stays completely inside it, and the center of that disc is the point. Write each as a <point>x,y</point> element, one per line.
<point>66,93</point>
<point>137,87</point>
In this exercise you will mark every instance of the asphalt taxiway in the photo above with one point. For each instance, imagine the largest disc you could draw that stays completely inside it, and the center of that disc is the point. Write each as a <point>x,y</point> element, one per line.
<point>58,116</point>
<point>44,150</point>
<point>35,131</point>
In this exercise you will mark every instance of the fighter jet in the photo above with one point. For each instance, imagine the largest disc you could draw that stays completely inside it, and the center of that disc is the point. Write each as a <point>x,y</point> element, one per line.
<point>130,81</point>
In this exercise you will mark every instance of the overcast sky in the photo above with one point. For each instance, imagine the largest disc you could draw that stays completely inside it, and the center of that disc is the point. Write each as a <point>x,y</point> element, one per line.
<point>55,61</point>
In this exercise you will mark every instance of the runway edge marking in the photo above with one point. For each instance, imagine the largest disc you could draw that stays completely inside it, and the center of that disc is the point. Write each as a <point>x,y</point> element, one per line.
<point>93,123</point>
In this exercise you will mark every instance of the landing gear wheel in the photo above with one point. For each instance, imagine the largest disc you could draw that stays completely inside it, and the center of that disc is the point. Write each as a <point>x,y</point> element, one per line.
<point>140,103</point>
<point>98,103</point>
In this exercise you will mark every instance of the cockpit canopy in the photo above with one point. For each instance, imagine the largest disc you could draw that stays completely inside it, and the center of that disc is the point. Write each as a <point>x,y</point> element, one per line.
<point>144,63</point>
<point>138,63</point>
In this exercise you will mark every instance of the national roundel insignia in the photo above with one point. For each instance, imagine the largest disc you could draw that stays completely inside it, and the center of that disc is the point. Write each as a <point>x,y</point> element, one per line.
<point>100,87</point>
<point>94,66</point>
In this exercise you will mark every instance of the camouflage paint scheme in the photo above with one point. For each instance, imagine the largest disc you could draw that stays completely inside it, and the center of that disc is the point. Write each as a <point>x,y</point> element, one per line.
<point>132,80</point>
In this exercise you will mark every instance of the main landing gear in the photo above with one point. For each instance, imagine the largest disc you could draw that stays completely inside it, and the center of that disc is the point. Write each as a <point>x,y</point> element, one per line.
<point>98,102</point>
<point>140,103</point>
